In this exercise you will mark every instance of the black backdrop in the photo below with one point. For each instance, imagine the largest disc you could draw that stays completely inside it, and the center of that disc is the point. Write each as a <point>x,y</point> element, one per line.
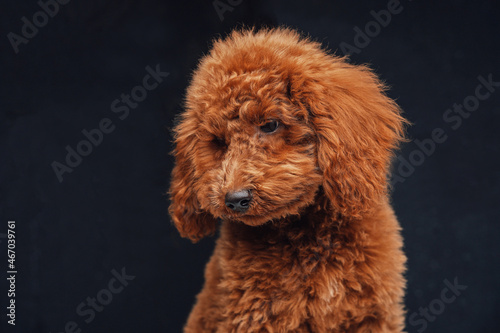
<point>108,216</point>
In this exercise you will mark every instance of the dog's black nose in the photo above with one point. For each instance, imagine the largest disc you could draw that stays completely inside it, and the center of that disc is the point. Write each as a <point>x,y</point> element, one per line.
<point>239,201</point>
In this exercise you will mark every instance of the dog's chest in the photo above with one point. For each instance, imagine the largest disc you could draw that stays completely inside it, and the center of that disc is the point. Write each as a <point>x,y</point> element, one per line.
<point>284,277</point>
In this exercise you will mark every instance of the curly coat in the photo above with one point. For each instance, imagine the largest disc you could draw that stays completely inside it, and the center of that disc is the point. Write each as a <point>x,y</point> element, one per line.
<point>319,248</point>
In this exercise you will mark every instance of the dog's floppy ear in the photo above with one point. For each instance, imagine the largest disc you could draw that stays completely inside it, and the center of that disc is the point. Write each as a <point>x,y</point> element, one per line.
<point>184,207</point>
<point>357,128</point>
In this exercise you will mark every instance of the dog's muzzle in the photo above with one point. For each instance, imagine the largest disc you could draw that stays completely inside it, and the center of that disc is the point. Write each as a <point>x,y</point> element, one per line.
<point>238,201</point>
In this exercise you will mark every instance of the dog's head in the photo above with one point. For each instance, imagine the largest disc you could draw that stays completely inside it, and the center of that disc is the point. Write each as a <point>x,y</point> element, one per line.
<point>270,120</point>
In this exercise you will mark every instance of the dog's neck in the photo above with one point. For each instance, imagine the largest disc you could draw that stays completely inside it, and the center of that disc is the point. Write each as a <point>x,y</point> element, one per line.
<point>316,224</point>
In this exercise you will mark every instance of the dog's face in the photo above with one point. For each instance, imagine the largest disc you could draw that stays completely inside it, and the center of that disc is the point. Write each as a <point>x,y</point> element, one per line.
<point>254,158</point>
<point>269,120</point>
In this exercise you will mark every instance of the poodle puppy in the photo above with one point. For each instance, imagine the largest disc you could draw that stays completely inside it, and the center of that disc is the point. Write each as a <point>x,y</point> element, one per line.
<point>289,147</point>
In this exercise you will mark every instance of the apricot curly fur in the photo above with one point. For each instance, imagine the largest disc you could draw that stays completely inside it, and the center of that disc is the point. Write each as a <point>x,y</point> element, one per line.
<point>319,248</point>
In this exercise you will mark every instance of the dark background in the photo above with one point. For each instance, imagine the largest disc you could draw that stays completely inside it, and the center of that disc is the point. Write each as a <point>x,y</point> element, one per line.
<point>111,211</point>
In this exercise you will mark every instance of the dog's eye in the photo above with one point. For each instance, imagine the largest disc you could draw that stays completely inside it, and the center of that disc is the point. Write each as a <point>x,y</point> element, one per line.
<point>219,142</point>
<point>270,126</point>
